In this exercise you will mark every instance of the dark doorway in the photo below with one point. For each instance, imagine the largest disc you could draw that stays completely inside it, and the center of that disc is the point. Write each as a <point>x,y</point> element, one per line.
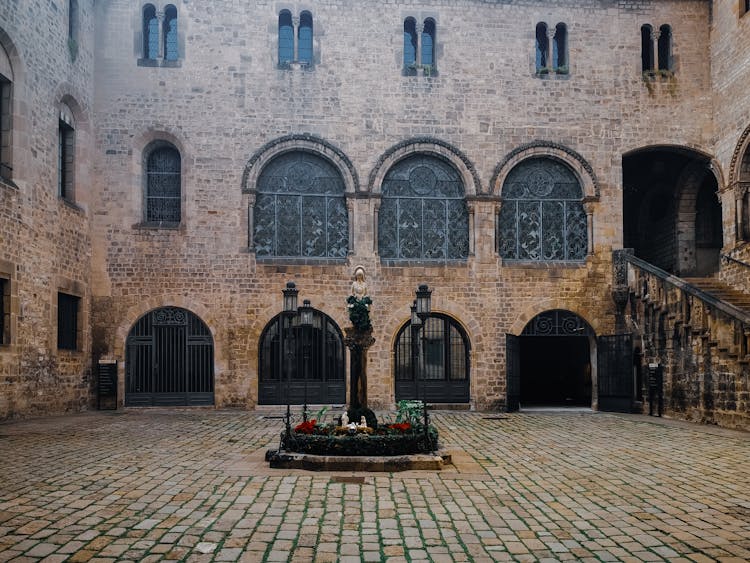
<point>555,371</point>
<point>169,360</point>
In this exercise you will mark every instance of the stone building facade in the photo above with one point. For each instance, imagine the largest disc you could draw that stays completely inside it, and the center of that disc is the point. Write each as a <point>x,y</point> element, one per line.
<point>497,151</point>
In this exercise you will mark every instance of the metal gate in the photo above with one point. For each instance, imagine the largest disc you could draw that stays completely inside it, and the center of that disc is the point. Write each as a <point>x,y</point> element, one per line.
<point>513,372</point>
<point>169,360</point>
<point>615,372</point>
<point>313,362</point>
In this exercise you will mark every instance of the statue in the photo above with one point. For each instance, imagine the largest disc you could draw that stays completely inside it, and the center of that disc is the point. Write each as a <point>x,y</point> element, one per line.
<point>359,302</point>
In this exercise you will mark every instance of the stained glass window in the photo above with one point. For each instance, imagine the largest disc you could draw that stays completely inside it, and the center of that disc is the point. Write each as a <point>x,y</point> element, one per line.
<point>300,210</point>
<point>542,216</point>
<point>163,185</point>
<point>423,213</point>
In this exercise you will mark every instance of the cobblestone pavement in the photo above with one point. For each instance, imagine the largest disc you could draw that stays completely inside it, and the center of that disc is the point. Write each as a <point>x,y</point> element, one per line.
<point>147,485</point>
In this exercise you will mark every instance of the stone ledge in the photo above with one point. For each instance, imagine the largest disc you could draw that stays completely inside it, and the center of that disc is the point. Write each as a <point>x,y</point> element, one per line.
<point>291,460</point>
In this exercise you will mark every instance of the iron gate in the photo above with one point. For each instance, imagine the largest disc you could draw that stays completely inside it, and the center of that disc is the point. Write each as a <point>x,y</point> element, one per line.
<point>615,372</point>
<point>513,369</point>
<point>169,360</point>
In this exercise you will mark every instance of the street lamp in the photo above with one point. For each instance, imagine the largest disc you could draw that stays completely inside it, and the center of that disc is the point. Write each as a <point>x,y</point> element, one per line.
<point>416,324</point>
<point>306,320</point>
<point>424,296</point>
<point>288,312</point>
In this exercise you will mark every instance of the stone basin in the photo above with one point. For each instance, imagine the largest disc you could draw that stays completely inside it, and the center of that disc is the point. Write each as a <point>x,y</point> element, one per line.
<point>280,459</point>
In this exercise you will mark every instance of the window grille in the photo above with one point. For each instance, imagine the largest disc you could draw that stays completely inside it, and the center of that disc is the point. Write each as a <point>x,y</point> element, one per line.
<point>542,216</point>
<point>67,321</point>
<point>65,160</point>
<point>423,213</point>
<point>150,33</point>
<point>163,185</point>
<point>170,33</point>
<point>300,210</point>
<point>286,38</point>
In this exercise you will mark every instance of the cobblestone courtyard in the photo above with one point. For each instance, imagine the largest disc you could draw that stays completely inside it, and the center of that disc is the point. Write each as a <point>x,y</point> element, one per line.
<point>146,485</point>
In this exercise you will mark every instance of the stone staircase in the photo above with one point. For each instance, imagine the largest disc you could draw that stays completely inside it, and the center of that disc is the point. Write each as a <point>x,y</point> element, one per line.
<point>722,292</point>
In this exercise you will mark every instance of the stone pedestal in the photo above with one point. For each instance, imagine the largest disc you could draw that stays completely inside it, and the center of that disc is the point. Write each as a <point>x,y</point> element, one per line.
<point>358,341</point>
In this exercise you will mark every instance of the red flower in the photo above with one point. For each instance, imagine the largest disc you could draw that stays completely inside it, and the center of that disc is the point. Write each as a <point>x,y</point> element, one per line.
<point>305,427</point>
<point>400,426</point>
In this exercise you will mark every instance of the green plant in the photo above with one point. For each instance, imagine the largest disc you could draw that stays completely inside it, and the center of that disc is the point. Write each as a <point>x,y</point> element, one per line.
<point>562,69</point>
<point>319,414</point>
<point>355,415</point>
<point>427,69</point>
<point>409,411</point>
<point>359,312</point>
<point>543,70</point>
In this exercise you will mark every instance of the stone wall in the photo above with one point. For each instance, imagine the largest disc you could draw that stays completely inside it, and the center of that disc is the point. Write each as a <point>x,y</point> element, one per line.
<point>45,243</point>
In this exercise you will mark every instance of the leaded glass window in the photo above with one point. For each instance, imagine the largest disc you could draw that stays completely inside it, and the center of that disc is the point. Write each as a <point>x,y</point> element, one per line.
<point>542,216</point>
<point>300,210</point>
<point>163,185</point>
<point>150,33</point>
<point>423,213</point>
<point>170,33</point>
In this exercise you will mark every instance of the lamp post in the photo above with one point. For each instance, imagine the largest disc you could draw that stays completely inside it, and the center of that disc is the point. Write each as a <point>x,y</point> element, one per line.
<point>416,324</point>
<point>306,321</point>
<point>288,312</point>
<point>423,302</point>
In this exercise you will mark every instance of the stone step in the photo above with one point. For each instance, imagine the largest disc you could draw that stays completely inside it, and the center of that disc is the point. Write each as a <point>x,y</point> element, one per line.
<point>722,292</point>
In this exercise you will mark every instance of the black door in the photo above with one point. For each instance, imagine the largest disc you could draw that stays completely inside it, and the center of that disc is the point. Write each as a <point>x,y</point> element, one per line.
<point>513,372</point>
<point>615,372</point>
<point>169,360</point>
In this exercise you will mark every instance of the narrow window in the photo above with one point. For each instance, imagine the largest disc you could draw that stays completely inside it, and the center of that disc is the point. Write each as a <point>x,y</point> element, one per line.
<point>286,38</point>
<point>560,49</point>
<point>150,33</point>
<point>170,33</point>
<point>410,42</point>
<point>163,185</point>
<point>428,43</point>
<point>744,7</point>
<point>305,38</point>
<point>665,48</point>
<point>6,107</point>
<point>647,49</point>
<point>542,47</point>
<point>4,311</point>
<point>67,321</point>
<point>746,216</point>
<point>73,20</point>
<point>65,155</point>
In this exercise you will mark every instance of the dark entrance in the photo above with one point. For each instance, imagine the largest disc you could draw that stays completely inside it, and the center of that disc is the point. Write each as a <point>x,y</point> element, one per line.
<point>169,360</point>
<point>555,371</point>
<point>443,376</point>
<point>313,359</point>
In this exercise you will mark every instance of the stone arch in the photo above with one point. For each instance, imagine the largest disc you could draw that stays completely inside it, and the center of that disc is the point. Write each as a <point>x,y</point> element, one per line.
<point>304,143</point>
<point>426,146</point>
<point>67,95</point>
<point>547,149</point>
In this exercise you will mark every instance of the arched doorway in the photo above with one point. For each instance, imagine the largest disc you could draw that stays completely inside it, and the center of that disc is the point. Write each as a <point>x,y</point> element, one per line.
<point>555,361</point>
<point>169,360</point>
<point>671,209</point>
<point>443,374</point>
<point>313,362</point>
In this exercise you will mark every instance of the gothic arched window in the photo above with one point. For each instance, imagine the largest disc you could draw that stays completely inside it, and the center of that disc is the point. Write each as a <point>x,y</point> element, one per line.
<point>150,33</point>
<point>423,213</point>
<point>305,38</point>
<point>163,184</point>
<point>542,216</point>
<point>286,38</point>
<point>170,33</point>
<point>300,210</point>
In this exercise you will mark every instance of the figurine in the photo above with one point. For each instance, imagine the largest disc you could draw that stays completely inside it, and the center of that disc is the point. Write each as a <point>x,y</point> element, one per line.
<point>359,286</point>
<point>344,419</point>
<point>363,422</point>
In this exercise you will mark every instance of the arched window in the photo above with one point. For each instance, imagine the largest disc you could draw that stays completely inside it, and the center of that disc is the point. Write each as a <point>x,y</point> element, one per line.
<point>305,38</point>
<point>560,48</point>
<point>542,47</point>
<point>300,210</point>
<point>423,213</point>
<point>6,111</point>
<point>150,33</point>
<point>314,362</point>
<point>66,154</point>
<point>428,43</point>
<point>439,362</point>
<point>73,20</point>
<point>286,38</point>
<point>410,42</point>
<point>665,47</point>
<point>170,33</point>
<point>647,48</point>
<point>163,184</point>
<point>542,216</point>
<point>745,191</point>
